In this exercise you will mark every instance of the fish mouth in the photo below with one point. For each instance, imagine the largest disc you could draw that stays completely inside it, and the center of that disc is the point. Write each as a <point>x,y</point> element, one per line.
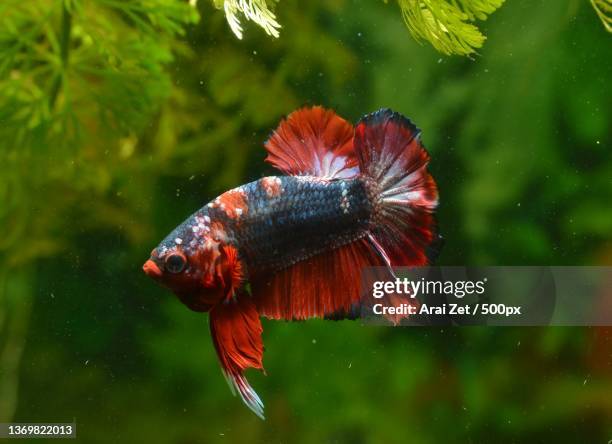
<point>151,269</point>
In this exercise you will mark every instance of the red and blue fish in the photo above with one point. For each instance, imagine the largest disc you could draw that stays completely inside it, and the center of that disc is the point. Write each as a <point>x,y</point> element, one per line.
<point>292,246</point>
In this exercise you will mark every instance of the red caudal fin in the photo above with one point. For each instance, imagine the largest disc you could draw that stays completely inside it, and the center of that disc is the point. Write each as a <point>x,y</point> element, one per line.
<point>236,333</point>
<point>390,153</point>
<point>313,141</point>
<point>325,286</point>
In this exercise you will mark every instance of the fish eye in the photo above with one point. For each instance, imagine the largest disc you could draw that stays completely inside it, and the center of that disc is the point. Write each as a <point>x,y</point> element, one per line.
<point>175,263</point>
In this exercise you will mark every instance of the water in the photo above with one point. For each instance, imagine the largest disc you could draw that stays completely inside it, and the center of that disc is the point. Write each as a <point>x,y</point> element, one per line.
<point>107,145</point>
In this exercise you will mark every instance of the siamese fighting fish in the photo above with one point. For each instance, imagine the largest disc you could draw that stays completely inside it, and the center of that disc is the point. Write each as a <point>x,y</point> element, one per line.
<point>292,246</point>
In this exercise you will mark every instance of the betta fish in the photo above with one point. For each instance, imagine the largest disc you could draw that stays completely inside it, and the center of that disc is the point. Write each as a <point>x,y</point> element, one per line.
<point>292,246</point>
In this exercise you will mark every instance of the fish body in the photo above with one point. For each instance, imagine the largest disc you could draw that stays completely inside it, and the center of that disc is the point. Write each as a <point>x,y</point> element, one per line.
<point>292,246</point>
<point>276,222</point>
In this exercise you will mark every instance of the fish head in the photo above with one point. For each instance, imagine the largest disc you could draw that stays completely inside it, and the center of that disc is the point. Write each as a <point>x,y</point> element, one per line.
<point>193,264</point>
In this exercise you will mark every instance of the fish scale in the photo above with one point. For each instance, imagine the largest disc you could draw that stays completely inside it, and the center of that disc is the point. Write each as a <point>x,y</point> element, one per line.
<point>278,231</point>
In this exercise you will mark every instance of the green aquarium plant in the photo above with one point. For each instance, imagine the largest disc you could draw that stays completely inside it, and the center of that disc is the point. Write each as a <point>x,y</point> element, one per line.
<point>78,82</point>
<point>603,8</point>
<point>447,25</point>
<point>256,10</point>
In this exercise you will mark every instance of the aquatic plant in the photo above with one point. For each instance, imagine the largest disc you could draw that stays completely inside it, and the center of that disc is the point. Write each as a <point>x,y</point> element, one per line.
<point>603,8</point>
<point>256,10</point>
<point>447,25</point>
<point>443,23</point>
<point>78,81</point>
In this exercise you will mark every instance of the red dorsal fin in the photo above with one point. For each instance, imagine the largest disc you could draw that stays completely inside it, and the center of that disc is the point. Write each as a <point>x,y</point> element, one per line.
<point>324,286</point>
<point>315,142</point>
<point>236,332</point>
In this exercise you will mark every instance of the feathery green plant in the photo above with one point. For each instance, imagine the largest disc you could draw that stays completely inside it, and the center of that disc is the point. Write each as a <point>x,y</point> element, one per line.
<point>603,8</point>
<point>443,23</point>
<point>79,80</point>
<point>256,10</point>
<point>446,24</point>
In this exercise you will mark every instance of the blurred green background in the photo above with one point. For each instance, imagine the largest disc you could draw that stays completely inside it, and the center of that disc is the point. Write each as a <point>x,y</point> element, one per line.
<point>118,119</point>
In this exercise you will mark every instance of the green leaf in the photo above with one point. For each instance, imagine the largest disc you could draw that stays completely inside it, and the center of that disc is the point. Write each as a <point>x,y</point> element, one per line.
<point>446,23</point>
<point>257,11</point>
<point>603,8</point>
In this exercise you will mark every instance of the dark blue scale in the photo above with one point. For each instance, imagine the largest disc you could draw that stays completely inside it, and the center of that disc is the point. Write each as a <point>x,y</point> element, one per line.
<point>308,217</point>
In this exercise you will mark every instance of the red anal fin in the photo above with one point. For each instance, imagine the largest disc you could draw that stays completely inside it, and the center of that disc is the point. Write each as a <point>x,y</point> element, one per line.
<point>236,332</point>
<point>313,141</point>
<point>325,286</point>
